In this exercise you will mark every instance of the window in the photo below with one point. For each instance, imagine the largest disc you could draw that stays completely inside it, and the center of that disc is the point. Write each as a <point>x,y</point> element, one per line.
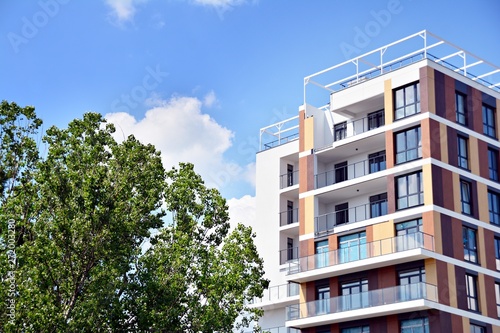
<point>407,101</point>
<point>289,174</point>
<point>409,235</point>
<point>463,152</point>
<point>340,131</point>
<point>376,161</point>
<point>342,213</point>
<point>489,121</point>
<point>494,207</point>
<point>289,249</point>
<point>465,197</point>
<point>418,325</point>
<point>477,329</point>
<point>323,299</point>
<point>469,236</point>
<point>497,297</point>
<point>358,329</point>
<point>354,294</point>
<point>352,247</point>
<point>289,212</point>
<point>497,252</point>
<point>410,282</point>
<point>378,205</point>
<point>376,119</point>
<point>340,172</point>
<point>321,253</point>
<point>471,290</point>
<point>409,190</point>
<point>493,164</point>
<point>461,108</point>
<point>408,145</point>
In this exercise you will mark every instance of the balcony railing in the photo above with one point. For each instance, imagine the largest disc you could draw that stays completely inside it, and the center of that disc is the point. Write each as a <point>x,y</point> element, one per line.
<point>326,222</point>
<point>281,329</point>
<point>291,253</point>
<point>368,299</point>
<point>289,217</point>
<point>358,126</point>
<point>362,251</point>
<point>277,293</point>
<point>350,171</point>
<point>289,179</point>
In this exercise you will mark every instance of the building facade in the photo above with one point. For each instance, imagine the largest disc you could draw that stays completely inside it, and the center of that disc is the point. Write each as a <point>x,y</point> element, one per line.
<point>379,211</point>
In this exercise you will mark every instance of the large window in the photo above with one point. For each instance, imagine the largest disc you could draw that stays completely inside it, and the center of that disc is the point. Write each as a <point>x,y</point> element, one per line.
<point>409,190</point>
<point>376,161</point>
<point>407,101</point>
<point>340,131</point>
<point>465,197</point>
<point>471,290</point>
<point>409,235</point>
<point>463,152</point>
<point>418,325</point>
<point>408,145</point>
<point>497,252</point>
<point>340,172</point>
<point>323,299</point>
<point>410,284</point>
<point>352,247</point>
<point>376,119</point>
<point>378,205</point>
<point>477,329</point>
<point>469,236</point>
<point>357,329</point>
<point>354,294</point>
<point>489,121</point>
<point>497,297</point>
<point>461,108</point>
<point>493,164</point>
<point>321,253</point>
<point>494,207</point>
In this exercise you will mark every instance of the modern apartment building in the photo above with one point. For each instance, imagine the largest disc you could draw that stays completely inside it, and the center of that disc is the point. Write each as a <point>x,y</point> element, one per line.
<point>378,205</point>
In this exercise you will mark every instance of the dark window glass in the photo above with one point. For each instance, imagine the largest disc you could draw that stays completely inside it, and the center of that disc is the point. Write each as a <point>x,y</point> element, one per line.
<point>340,131</point>
<point>494,207</point>
<point>465,196</point>
<point>461,108</point>
<point>378,205</point>
<point>376,161</point>
<point>289,247</point>
<point>376,119</point>
<point>340,172</point>
<point>489,121</point>
<point>463,152</point>
<point>469,236</point>
<point>409,190</point>
<point>417,325</point>
<point>471,289</point>
<point>497,252</point>
<point>477,329</point>
<point>354,294</point>
<point>407,101</point>
<point>408,145</point>
<point>357,329</point>
<point>493,164</point>
<point>289,174</point>
<point>342,213</point>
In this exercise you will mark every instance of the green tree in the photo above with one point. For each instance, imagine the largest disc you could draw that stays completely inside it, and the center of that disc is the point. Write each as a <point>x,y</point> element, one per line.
<point>87,207</point>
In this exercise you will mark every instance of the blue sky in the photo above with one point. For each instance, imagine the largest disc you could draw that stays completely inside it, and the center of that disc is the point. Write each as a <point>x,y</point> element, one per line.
<point>199,78</point>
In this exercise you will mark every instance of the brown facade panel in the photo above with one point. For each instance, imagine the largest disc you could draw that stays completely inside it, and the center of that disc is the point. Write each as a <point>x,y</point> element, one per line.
<point>482,150</point>
<point>461,290</point>
<point>442,282</point>
<point>439,321</point>
<point>458,245</point>
<point>452,146</point>
<point>439,92</point>
<point>449,91</point>
<point>446,235</point>
<point>435,139</point>
<point>438,194</point>
<point>310,291</point>
<point>389,148</point>
<point>489,249</point>
<point>456,324</point>
<point>447,185</point>
<point>391,193</point>
<point>477,112</point>
<point>306,173</point>
<point>386,277</point>
<point>491,302</point>
<point>334,287</point>
<point>426,83</point>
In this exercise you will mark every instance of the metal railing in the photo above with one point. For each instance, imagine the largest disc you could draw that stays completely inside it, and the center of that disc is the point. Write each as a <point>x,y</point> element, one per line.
<point>276,293</point>
<point>362,251</point>
<point>326,222</point>
<point>350,171</point>
<point>288,217</point>
<point>288,254</point>
<point>281,329</point>
<point>362,300</point>
<point>289,179</point>
<point>360,125</point>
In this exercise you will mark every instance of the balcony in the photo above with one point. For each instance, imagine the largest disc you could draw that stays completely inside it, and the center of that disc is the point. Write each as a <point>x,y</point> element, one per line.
<point>326,222</point>
<point>351,171</point>
<point>289,179</point>
<point>358,126</point>
<point>393,250</point>
<point>289,254</point>
<point>380,302</point>
<point>289,217</point>
<point>281,329</point>
<point>278,296</point>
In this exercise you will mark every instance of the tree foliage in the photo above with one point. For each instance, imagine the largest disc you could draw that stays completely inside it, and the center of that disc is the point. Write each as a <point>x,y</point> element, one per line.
<point>83,213</point>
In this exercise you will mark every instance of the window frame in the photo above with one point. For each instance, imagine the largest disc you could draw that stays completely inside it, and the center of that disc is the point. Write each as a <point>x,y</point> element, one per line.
<point>376,118</point>
<point>496,241</point>
<point>494,207</point>
<point>423,325</point>
<point>471,292</point>
<point>497,297</point>
<point>489,121</point>
<point>377,201</point>
<point>493,164</point>
<point>356,329</point>
<point>407,149</point>
<point>377,160</point>
<point>477,328</point>
<point>469,236</point>
<point>340,131</point>
<point>405,105</point>
<point>461,113</point>
<point>466,197</point>
<point>420,190</point>
<point>463,152</point>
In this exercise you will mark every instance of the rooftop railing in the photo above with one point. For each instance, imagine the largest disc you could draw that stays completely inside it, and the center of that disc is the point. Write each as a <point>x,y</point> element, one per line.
<point>363,300</point>
<point>363,250</point>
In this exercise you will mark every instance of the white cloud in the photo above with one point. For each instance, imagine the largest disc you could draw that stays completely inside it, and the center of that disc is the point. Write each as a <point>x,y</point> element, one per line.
<point>242,210</point>
<point>210,99</point>
<point>122,10</point>
<point>183,133</point>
